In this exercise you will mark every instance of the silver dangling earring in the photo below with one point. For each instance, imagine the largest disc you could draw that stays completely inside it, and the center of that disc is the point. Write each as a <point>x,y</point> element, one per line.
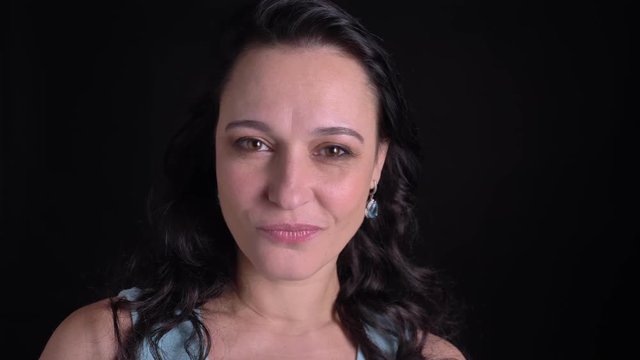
<point>371,211</point>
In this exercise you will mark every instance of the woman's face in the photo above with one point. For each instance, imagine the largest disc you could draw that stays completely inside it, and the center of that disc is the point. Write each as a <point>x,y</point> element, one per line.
<point>296,155</point>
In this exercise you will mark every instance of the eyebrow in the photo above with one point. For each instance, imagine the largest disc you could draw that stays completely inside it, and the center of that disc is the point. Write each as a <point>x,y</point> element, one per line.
<point>253,124</point>
<point>322,131</point>
<point>338,130</point>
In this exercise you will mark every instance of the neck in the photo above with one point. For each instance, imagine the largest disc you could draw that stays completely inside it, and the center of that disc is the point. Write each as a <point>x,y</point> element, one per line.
<point>295,305</point>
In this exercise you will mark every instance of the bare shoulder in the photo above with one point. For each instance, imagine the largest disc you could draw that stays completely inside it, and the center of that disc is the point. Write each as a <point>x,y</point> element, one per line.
<point>438,348</point>
<point>87,333</point>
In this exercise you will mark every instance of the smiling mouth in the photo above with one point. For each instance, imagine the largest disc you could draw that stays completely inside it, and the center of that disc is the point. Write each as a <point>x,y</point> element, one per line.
<point>290,233</point>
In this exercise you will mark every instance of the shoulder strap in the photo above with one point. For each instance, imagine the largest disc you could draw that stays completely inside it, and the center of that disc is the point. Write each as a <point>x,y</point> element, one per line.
<point>388,344</point>
<point>172,344</point>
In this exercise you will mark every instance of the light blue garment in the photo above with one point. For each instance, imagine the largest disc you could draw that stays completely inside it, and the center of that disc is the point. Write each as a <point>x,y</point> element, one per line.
<point>172,343</point>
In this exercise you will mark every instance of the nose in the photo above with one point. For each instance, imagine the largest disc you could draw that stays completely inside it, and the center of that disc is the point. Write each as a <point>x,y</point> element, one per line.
<point>290,180</point>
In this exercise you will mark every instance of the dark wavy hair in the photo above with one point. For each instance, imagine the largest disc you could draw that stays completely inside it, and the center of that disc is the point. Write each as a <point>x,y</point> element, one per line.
<point>380,287</point>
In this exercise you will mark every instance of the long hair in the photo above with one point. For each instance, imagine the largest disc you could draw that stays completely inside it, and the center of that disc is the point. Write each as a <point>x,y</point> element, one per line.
<point>380,287</point>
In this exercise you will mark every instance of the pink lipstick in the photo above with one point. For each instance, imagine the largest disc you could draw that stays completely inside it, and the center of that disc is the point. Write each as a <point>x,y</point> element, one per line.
<point>290,233</point>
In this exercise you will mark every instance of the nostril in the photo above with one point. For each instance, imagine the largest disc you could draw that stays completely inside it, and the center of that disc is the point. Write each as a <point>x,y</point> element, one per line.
<point>288,197</point>
<point>289,194</point>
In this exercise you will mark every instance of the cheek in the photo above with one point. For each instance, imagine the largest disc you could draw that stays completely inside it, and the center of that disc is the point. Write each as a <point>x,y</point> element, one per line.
<point>238,184</point>
<point>344,197</point>
<point>340,190</point>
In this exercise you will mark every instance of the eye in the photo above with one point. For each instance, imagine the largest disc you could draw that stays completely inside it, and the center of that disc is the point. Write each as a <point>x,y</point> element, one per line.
<point>335,151</point>
<point>251,144</point>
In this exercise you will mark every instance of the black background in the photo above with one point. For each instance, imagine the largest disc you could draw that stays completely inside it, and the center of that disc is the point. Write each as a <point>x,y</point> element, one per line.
<point>528,199</point>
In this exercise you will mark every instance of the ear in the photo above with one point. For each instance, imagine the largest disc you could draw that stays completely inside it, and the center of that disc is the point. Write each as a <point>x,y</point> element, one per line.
<point>381,156</point>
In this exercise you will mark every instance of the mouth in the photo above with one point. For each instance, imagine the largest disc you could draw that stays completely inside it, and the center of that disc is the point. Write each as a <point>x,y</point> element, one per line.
<point>289,233</point>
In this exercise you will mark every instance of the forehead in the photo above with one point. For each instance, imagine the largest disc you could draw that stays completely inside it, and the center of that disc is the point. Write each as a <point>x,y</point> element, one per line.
<point>306,84</point>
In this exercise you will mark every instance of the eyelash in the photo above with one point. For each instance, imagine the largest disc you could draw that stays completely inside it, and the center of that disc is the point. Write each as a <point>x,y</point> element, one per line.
<point>243,144</point>
<point>344,152</point>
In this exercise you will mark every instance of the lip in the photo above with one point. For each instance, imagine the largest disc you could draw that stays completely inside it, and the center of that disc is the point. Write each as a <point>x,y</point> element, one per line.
<point>290,233</point>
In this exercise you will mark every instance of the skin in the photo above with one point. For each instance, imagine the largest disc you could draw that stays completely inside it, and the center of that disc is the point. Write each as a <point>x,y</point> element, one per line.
<point>282,169</point>
<point>290,173</point>
<point>279,168</point>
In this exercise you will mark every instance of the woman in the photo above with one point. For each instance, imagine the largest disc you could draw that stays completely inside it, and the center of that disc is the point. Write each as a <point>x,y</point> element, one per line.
<point>303,138</point>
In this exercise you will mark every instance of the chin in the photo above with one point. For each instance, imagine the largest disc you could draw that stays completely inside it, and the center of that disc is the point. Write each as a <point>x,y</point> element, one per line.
<point>290,272</point>
<point>286,266</point>
<point>289,275</point>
